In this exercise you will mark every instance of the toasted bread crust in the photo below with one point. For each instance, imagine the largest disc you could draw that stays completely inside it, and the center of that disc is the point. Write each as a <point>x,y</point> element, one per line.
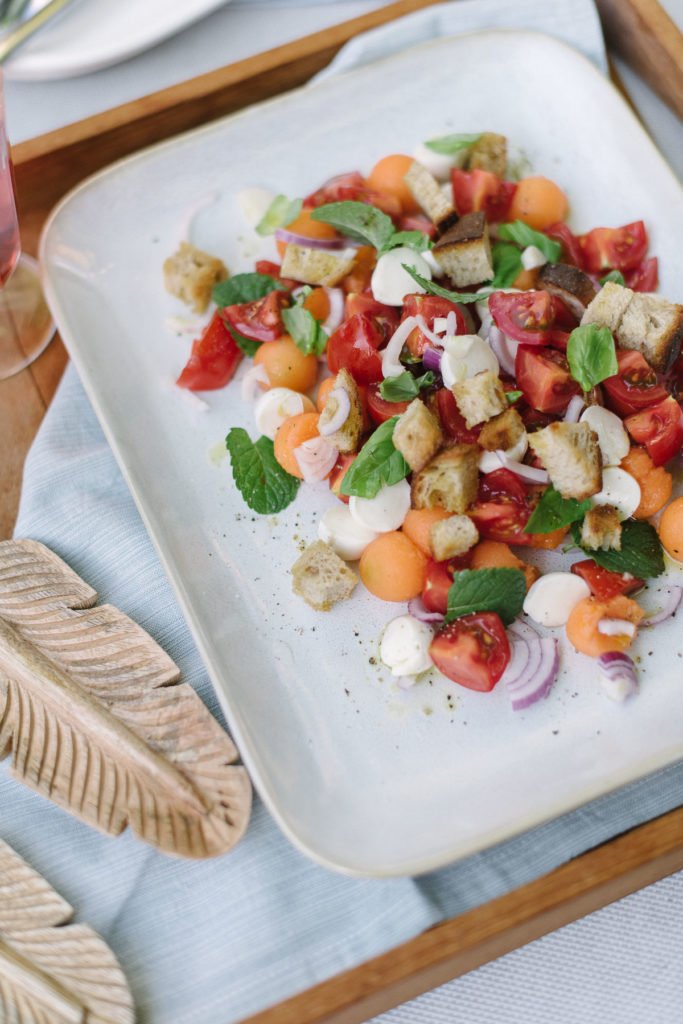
<point>571,454</point>
<point>450,480</point>
<point>569,284</point>
<point>417,435</point>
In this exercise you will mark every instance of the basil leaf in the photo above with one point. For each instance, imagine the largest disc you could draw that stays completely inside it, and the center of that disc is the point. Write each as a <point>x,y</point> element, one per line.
<point>405,387</point>
<point>260,479</point>
<point>614,275</point>
<point>304,330</point>
<point>412,239</point>
<point>247,345</point>
<point>282,211</point>
<point>523,235</point>
<point>507,264</point>
<point>553,512</point>
<point>640,554</point>
<point>513,396</point>
<point>244,288</point>
<point>487,590</point>
<point>591,355</point>
<point>447,145</point>
<point>360,221</point>
<point>377,465</point>
<point>432,288</point>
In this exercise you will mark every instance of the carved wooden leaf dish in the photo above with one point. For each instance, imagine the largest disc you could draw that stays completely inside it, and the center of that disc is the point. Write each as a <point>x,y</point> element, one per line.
<point>52,972</point>
<point>93,715</point>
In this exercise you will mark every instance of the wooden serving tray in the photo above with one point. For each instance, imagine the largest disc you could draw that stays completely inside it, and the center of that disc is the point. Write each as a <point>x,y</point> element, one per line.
<point>46,168</point>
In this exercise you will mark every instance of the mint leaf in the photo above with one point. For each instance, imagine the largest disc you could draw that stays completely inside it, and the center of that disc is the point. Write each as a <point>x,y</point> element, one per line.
<point>304,330</point>
<point>260,479</point>
<point>615,276</point>
<point>247,345</point>
<point>487,590</point>
<point>432,288</point>
<point>282,211</point>
<point>591,355</point>
<point>447,145</point>
<point>378,464</point>
<point>244,288</point>
<point>640,554</point>
<point>360,221</point>
<point>513,396</point>
<point>523,235</point>
<point>553,512</point>
<point>412,239</point>
<point>507,264</point>
<point>405,387</point>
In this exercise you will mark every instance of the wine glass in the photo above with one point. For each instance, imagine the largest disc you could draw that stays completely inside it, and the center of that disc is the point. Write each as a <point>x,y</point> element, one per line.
<point>26,326</point>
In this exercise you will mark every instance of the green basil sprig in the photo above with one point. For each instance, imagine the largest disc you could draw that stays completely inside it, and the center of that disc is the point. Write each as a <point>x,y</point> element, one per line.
<point>591,355</point>
<point>378,464</point>
<point>524,236</point>
<point>281,212</point>
<point>449,145</point>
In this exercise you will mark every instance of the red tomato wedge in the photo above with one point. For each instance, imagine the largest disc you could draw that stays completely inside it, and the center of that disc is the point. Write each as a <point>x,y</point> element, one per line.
<point>438,580</point>
<point>430,307</point>
<point>635,387</point>
<point>260,320</point>
<point>473,651</point>
<point>524,316</point>
<point>451,419</point>
<point>614,248</point>
<point>544,379</point>
<point>605,584</point>
<point>330,191</point>
<point>571,250</point>
<point>337,474</point>
<point>380,409</point>
<point>502,508</point>
<point>482,190</point>
<point>214,359</point>
<point>353,347</point>
<point>273,270</point>
<point>361,302</point>
<point>659,428</point>
<point>645,277</point>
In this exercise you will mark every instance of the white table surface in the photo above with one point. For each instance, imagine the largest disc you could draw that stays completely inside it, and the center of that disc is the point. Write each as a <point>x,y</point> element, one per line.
<point>623,964</point>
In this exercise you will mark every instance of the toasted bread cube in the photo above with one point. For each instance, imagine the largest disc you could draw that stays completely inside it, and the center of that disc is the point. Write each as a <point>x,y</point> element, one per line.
<point>654,327</point>
<point>450,480</point>
<point>321,577</point>
<point>480,398</point>
<point>417,435</point>
<point>464,251</point>
<point>347,437</point>
<point>502,432</point>
<point>601,529</point>
<point>451,537</point>
<point>190,275</point>
<point>570,284</point>
<point>489,153</point>
<point>608,306</point>
<point>317,266</point>
<point>430,197</point>
<point>571,454</point>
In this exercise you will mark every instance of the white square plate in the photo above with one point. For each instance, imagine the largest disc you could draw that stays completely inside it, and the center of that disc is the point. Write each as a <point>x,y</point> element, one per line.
<point>361,776</point>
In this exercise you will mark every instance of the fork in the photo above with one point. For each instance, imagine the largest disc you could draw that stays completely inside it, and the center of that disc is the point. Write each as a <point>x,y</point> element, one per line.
<point>21,18</point>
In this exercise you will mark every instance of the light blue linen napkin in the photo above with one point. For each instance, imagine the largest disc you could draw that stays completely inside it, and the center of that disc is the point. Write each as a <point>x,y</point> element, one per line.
<point>216,941</point>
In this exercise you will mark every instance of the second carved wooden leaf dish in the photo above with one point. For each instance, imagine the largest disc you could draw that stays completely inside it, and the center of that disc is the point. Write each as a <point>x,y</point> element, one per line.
<point>93,715</point>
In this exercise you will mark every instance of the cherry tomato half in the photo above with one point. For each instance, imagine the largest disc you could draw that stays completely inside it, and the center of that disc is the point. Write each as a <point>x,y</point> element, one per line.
<point>482,190</point>
<point>635,387</point>
<point>659,428</point>
<point>353,347</point>
<point>273,270</point>
<point>260,320</point>
<point>337,474</point>
<point>616,248</point>
<point>502,508</point>
<point>605,584</point>
<point>214,359</point>
<point>524,316</point>
<point>438,581</point>
<point>544,379</point>
<point>430,307</point>
<point>451,419</point>
<point>571,250</point>
<point>330,191</point>
<point>473,651</point>
<point>645,277</point>
<point>380,409</point>
<point>386,316</point>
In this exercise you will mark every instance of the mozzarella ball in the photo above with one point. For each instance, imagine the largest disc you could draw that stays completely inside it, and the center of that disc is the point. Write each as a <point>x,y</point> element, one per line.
<point>390,283</point>
<point>405,646</point>
<point>552,598</point>
<point>345,536</point>
<point>386,511</point>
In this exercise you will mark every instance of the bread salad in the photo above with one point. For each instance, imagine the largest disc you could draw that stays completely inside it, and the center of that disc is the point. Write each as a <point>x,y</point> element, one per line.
<point>472,380</point>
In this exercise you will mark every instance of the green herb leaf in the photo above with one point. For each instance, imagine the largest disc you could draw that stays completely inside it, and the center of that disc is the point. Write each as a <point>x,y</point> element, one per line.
<point>244,288</point>
<point>523,235</point>
<point>360,221</point>
<point>487,590</point>
<point>412,239</point>
<point>432,288</point>
<point>640,554</point>
<point>377,465</point>
<point>247,345</point>
<point>513,396</point>
<point>304,330</point>
<point>553,512</point>
<point>615,276</point>
<point>447,145</point>
<point>405,387</point>
<point>507,264</point>
<point>282,211</point>
<point>260,479</point>
<point>591,355</point>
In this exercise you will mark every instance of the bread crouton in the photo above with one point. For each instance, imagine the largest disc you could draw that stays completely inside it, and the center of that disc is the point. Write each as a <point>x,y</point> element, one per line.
<point>317,266</point>
<point>569,284</point>
<point>601,529</point>
<point>571,455</point>
<point>417,435</point>
<point>502,432</point>
<point>480,398</point>
<point>190,275</point>
<point>321,577</point>
<point>430,197</point>
<point>489,153</point>
<point>464,251</point>
<point>450,480</point>
<point>451,537</point>
<point>347,438</point>
<point>608,306</point>
<point>648,324</point>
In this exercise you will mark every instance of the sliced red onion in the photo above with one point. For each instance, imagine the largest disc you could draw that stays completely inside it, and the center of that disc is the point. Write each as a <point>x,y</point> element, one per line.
<point>618,675</point>
<point>251,383</point>
<point>340,414</point>
<point>431,358</point>
<point>616,627</point>
<point>428,333</point>
<point>391,361</point>
<point>335,297</point>
<point>316,458</point>
<point>670,606</point>
<point>528,473</point>
<point>532,671</point>
<point>524,630</point>
<point>330,244</point>
<point>504,348</point>
<point>418,611</point>
<point>574,409</point>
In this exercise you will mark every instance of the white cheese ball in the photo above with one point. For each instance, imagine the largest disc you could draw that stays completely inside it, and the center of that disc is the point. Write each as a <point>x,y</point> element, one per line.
<point>346,537</point>
<point>386,511</point>
<point>612,436</point>
<point>464,356</point>
<point>620,489</point>
<point>405,646</point>
<point>552,598</point>
<point>274,407</point>
<point>390,283</point>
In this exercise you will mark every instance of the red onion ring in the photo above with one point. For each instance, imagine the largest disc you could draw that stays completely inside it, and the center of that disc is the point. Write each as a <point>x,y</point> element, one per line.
<point>528,473</point>
<point>670,607</point>
<point>431,358</point>
<point>336,298</point>
<point>504,348</point>
<point>532,671</point>
<point>418,611</point>
<point>330,244</point>
<point>618,675</point>
<point>316,458</point>
<point>574,409</point>
<point>340,414</point>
